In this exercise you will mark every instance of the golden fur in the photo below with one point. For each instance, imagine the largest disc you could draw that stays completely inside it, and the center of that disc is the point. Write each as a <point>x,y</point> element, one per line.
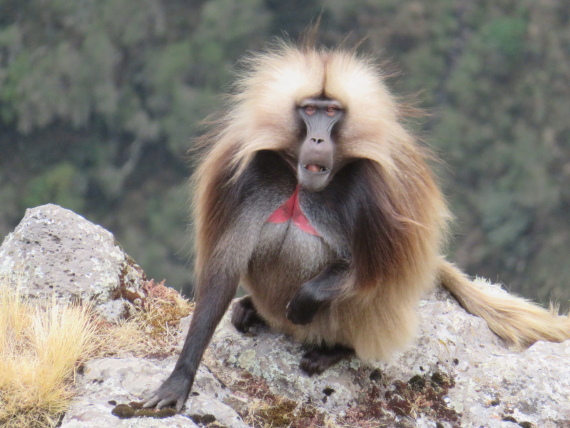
<point>512,318</point>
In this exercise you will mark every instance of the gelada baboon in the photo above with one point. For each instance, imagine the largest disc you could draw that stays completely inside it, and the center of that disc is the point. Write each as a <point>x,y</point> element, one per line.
<point>313,195</point>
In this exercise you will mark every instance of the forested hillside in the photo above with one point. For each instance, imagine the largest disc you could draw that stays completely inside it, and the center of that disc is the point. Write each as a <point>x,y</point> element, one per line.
<point>100,101</point>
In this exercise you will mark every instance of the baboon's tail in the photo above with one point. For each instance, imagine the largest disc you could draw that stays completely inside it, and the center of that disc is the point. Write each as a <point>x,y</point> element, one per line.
<point>511,317</point>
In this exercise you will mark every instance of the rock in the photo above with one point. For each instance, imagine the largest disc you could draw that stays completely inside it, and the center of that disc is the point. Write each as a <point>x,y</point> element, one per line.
<point>55,252</point>
<point>107,382</point>
<point>457,372</point>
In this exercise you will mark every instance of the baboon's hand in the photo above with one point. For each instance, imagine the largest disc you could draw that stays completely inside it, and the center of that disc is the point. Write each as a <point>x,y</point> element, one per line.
<point>318,293</point>
<point>174,390</point>
<point>303,306</point>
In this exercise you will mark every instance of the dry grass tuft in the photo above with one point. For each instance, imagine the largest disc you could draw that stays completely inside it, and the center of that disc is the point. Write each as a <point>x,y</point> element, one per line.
<point>42,347</point>
<point>162,310</point>
<point>151,330</point>
<point>40,351</point>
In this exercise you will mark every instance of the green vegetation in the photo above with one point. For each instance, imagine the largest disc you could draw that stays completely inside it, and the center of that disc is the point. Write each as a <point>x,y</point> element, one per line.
<point>100,100</point>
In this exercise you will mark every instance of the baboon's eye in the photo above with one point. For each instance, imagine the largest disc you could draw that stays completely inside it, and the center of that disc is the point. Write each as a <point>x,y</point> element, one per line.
<point>310,109</point>
<point>331,110</point>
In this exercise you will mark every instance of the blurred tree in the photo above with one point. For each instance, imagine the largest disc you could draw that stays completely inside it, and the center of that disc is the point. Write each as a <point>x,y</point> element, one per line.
<point>100,99</point>
<point>506,192</point>
<point>291,19</point>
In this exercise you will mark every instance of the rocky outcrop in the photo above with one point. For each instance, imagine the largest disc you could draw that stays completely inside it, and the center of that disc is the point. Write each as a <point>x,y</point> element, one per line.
<point>457,373</point>
<point>55,252</point>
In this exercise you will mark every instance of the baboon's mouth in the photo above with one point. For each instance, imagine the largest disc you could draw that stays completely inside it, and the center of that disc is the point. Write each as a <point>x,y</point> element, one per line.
<point>314,176</point>
<point>313,167</point>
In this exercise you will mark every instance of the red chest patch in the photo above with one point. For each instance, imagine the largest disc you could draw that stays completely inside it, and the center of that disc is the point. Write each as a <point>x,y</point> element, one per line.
<point>290,210</point>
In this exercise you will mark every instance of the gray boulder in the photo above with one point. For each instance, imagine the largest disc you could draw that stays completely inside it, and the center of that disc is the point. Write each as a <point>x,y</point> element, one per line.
<point>55,252</point>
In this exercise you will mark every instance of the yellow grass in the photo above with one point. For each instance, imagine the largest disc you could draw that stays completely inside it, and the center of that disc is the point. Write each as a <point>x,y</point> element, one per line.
<point>40,350</point>
<point>151,329</point>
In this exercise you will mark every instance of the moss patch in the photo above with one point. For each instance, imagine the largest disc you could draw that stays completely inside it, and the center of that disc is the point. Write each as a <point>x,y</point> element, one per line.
<point>136,410</point>
<point>421,395</point>
<point>270,410</point>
